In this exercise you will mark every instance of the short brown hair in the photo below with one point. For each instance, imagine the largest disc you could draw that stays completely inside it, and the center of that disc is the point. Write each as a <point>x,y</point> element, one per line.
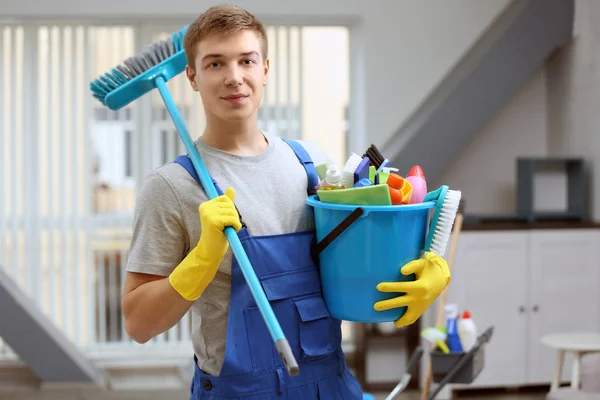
<point>222,19</point>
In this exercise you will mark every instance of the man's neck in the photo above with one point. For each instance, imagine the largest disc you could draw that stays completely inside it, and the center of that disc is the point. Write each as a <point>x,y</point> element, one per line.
<point>242,139</point>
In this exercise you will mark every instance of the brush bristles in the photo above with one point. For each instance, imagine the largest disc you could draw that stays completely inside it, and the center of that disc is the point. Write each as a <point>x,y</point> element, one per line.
<point>443,229</point>
<point>375,156</point>
<point>348,172</point>
<point>136,65</point>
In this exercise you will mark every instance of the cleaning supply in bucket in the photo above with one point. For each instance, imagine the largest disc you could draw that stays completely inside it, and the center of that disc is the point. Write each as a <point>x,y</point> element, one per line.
<point>363,182</point>
<point>416,177</point>
<point>322,170</point>
<point>373,195</point>
<point>389,170</point>
<point>467,331</point>
<point>372,173</point>
<point>332,181</point>
<point>350,167</point>
<point>385,172</point>
<point>362,171</point>
<point>400,189</point>
<point>377,159</point>
<point>382,176</point>
<point>452,336</point>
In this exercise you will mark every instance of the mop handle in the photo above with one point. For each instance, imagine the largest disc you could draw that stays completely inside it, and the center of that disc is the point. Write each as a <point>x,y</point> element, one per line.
<point>281,343</point>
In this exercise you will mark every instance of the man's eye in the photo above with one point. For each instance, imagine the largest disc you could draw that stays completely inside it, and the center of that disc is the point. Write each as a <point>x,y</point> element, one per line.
<point>214,65</point>
<point>249,61</point>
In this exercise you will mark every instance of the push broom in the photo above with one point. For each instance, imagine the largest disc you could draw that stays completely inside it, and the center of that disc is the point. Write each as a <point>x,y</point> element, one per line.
<point>151,69</point>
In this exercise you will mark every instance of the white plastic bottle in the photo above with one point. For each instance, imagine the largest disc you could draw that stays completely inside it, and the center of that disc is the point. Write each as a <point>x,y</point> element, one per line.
<point>467,331</point>
<point>333,179</point>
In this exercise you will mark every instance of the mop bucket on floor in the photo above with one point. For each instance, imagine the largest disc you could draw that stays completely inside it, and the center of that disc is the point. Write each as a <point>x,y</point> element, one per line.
<point>362,246</point>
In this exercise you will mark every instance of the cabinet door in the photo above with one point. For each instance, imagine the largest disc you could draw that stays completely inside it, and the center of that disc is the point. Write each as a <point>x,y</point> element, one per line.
<point>489,280</point>
<point>564,294</point>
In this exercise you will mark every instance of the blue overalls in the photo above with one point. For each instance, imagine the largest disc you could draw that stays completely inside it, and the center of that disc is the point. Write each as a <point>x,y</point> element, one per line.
<point>252,369</point>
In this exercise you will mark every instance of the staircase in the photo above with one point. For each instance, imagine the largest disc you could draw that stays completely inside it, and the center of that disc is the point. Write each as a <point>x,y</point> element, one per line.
<point>38,342</point>
<point>481,84</point>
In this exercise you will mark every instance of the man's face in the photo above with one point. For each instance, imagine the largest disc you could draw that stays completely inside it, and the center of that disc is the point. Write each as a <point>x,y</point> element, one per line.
<point>230,75</point>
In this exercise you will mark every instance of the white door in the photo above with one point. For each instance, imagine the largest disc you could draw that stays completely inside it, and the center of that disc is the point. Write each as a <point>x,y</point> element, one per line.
<point>490,280</point>
<point>564,295</point>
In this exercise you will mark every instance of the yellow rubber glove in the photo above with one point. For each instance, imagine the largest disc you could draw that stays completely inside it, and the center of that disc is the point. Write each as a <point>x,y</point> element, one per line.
<point>432,277</point>
<point>199,267</point>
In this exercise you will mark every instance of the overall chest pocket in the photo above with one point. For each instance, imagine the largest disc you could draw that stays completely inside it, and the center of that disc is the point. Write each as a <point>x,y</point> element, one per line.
<point>297,302</point>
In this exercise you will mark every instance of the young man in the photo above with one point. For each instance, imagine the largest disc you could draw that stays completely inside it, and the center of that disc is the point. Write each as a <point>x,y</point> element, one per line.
<point>180,259</point>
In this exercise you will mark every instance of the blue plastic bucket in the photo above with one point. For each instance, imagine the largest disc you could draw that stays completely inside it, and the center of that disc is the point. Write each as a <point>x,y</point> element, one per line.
<point>370,251</point>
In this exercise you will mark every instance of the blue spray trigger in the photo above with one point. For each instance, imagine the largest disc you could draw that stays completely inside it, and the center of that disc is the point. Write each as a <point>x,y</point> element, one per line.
<point>363,182</point>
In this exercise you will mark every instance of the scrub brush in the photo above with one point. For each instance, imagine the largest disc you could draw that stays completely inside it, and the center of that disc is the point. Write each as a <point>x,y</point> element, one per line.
<point>443,218</point>
<point>348,173</point>
<point>377,159</point>
<point>150,70</point>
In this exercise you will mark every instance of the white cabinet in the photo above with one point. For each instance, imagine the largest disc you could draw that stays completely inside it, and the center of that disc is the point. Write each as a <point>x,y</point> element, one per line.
<point>564,292</point>
<point>527,283</point>
<point>489,279</point>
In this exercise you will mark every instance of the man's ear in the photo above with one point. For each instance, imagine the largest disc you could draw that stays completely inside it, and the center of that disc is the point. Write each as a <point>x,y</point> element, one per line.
<point>266,77</point>
<point>191,75</point>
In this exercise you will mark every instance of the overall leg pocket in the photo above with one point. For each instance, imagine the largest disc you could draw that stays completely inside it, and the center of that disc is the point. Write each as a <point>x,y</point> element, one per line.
<point>316,328</point>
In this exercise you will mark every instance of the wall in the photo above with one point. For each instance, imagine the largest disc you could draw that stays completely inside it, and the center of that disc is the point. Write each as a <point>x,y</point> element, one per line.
<point>573,81</point>
<point>402,49</point>
<point>485,172</point>
<point>556,114</point>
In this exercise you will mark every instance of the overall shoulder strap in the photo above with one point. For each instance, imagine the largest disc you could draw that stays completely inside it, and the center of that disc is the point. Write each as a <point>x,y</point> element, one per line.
<point>186,163</point>
<point>307,163</point>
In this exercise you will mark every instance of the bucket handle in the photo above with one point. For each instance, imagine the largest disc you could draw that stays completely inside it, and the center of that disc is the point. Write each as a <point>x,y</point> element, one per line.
<point>337,231</point>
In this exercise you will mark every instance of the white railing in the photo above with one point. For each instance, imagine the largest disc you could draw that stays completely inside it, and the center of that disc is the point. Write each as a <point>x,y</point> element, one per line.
<point>69,167</point>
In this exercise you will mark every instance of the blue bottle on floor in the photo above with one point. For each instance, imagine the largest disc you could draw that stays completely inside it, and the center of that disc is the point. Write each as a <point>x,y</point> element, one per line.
<point>453,338</point>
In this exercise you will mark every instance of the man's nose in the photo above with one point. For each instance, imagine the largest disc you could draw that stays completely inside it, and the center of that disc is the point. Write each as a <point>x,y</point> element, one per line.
<point>234,76</point>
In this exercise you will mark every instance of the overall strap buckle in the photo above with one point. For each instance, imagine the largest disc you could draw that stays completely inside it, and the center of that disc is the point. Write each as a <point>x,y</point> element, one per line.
<point>307,163</point>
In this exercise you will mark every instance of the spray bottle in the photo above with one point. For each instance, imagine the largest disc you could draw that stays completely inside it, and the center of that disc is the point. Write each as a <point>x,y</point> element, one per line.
<point>452,335</point>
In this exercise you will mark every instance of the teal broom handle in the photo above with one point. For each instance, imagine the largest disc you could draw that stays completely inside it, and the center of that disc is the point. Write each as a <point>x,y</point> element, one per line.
<point>264,306</point>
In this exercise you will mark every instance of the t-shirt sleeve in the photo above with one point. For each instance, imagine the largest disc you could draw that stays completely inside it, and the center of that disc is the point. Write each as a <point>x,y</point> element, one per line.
<point>159,239</point>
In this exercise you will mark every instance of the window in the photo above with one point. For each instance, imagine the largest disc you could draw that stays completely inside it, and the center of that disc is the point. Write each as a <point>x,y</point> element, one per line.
<point>307,96</point>
<point>87,159</point>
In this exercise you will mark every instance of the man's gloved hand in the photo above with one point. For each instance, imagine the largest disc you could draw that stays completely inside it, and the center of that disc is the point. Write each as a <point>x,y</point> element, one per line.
<point>432,275</point>
<point>199,267</point>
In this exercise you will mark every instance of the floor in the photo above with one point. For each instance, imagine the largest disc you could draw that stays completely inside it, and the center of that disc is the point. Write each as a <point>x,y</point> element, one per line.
<point>97,394</point>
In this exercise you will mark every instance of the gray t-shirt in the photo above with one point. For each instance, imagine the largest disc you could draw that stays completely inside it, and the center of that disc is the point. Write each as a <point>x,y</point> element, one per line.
<point>270,191</point>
